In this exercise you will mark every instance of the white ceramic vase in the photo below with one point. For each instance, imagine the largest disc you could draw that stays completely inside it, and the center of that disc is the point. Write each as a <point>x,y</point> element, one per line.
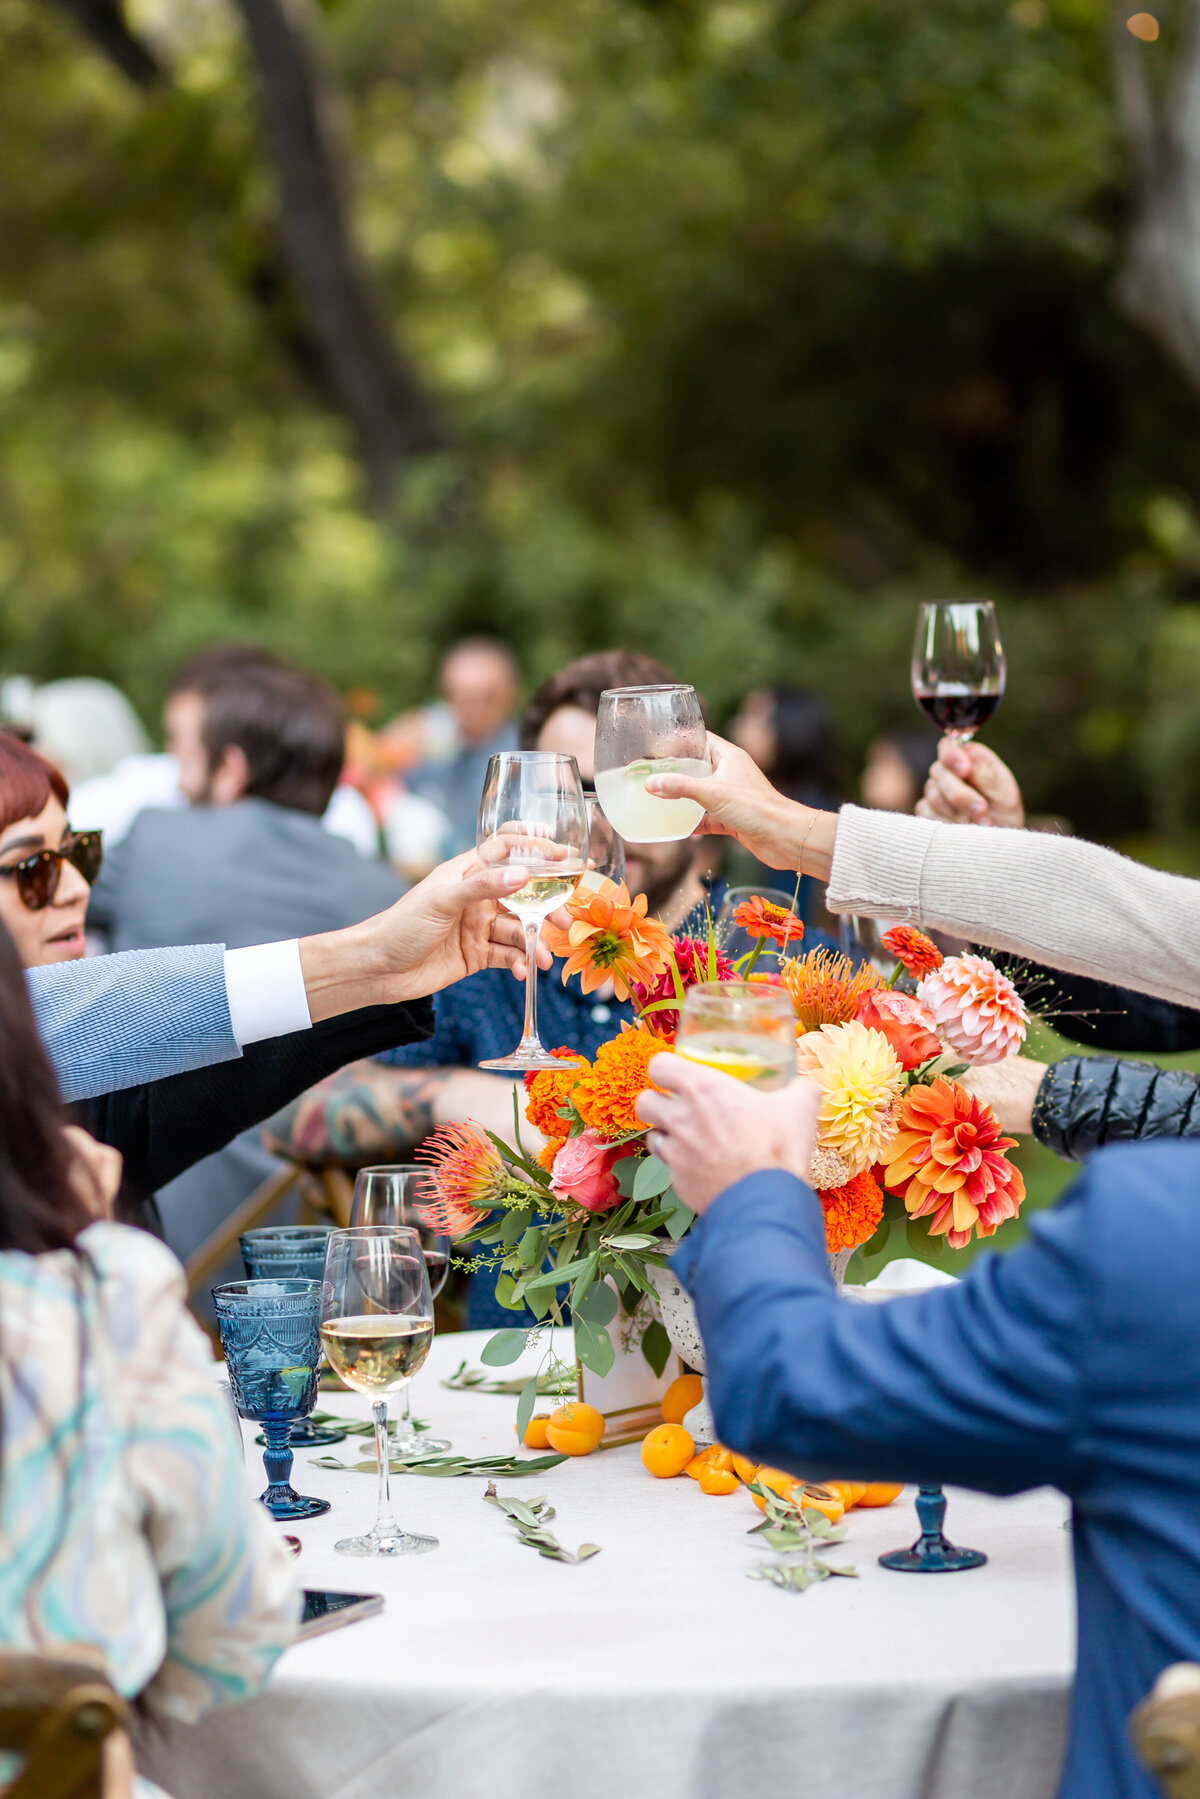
<point>679,1314</point>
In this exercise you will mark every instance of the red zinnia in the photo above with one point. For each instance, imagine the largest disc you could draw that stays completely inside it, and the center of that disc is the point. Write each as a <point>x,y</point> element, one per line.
<point>914,949</point>
<point>762,918</point>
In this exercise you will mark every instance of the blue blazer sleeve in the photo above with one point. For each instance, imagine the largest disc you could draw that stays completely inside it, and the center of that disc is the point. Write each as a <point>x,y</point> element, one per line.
<point>978,1384</point>
<point>115,1021</point>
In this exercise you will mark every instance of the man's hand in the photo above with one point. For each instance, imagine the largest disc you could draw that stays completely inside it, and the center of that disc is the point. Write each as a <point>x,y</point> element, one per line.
<point>1009,1088</point>
<point>711,1130</point>
<point>95,1170</point>
<point>450,925</point>
<point>969,785</point>
<point>740,802</point>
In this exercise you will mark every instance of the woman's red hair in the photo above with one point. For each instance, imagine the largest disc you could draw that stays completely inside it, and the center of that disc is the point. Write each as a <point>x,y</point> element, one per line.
<point>27,781</point>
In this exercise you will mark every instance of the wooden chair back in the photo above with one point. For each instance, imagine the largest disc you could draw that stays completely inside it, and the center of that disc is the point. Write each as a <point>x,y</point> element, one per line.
<point>1166,1731</point>
<point>59,1715</point>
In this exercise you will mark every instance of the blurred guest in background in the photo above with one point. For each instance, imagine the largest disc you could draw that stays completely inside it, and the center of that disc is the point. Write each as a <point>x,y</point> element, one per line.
<point>481,683</point>
<point>894,772</point>
<point>247,862</point>
<point>789,733</point>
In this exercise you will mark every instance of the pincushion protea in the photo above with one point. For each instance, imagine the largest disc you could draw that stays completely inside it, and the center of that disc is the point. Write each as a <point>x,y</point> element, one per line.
<point>466,1177</point>
<point>979,1012</point>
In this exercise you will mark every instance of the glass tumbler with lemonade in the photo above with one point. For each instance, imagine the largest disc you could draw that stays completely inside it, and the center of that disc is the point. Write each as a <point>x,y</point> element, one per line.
<point>644,731</point>
<point>743,1028</point>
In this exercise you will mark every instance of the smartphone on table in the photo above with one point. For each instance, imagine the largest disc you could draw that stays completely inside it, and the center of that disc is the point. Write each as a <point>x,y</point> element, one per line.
<point>328,1611</point>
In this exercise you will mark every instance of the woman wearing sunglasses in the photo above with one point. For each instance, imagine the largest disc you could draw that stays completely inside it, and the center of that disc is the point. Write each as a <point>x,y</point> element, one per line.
<point>46,870</point>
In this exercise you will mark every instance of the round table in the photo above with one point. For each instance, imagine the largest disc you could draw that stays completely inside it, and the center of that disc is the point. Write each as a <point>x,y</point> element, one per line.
<point>655,1670</point>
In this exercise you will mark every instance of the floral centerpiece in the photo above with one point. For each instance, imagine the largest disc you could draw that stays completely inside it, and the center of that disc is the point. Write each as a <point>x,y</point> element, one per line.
<point>593,1217</point>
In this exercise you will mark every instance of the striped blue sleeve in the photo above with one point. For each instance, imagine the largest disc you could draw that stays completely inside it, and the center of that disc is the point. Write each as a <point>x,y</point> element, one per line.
<point>116,1021</point>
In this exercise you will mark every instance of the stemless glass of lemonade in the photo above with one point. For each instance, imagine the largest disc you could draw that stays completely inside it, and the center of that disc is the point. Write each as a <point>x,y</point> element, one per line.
<point>743,1028</point>
<point>376,1328</point>
<point>533,810</point>
<point>643,731</point>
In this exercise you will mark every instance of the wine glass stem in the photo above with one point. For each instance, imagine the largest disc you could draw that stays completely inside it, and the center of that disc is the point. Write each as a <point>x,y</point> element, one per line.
<point>385,1523</point>
<point>533,930</point>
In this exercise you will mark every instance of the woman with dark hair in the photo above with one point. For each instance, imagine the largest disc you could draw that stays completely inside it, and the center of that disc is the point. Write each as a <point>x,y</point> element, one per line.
<point>46,870</point>
<point>125,1523</point>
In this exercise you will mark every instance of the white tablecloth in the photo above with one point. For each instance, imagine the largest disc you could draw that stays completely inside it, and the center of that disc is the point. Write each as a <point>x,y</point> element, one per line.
<point>655,1670</point>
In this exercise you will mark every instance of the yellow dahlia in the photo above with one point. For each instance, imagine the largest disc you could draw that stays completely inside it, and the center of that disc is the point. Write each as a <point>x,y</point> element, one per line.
<point>860,1077</point>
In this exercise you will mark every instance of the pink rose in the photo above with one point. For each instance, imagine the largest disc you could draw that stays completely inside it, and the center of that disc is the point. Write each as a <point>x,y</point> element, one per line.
<point>909,1026</point>
<point>583,1171</point>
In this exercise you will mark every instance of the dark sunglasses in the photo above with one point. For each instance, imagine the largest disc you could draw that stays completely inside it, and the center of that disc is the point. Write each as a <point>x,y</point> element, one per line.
<point>37,876</point>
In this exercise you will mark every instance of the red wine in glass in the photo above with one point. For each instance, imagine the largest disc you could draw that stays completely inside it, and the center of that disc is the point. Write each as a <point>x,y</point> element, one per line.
<point>958,665</point>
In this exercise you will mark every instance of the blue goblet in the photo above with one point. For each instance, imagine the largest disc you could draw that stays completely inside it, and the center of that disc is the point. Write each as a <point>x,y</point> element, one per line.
<point>931,1553</point>
<point>271,1335</point>
<point>291,1252</point>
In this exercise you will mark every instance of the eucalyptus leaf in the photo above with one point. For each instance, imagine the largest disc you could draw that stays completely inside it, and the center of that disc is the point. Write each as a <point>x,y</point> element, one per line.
<point>630,1240</point>
<point>525,1407</point>
<point>652,1178</point>
<point>504,1347</point>
<point>557,1277</point>
<point>532,1247</point>
<point>513,1225</point>
<point>681,1219</point>
<point>625,1173</point>
<point>598,1306</point>
<point>587,1274</point>
<point>593,1345</point>
<point>656,1346</point>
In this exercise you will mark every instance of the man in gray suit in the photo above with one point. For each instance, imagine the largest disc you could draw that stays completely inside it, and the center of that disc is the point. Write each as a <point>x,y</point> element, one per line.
<point>247,862</point>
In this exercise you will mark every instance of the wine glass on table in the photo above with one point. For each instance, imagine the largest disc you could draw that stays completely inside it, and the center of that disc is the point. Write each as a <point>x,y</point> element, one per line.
<point>958,665</point>
<point>533,810</point>
<point>270,1333</point>
<point>398,1194</point>
<point>377,1326</point>
<point>743,1028</point>
<point>644,731</point>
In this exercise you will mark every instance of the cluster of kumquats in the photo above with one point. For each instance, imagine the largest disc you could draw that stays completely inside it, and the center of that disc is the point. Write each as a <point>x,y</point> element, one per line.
<point>669,1450</point>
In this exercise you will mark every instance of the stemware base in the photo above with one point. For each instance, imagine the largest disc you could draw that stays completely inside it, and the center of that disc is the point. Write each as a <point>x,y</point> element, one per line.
<point>419,1443</point>
<point>376,1542</point>
<point>293,1505</point>
<point>526,1055</point>
<point>931,1553</point>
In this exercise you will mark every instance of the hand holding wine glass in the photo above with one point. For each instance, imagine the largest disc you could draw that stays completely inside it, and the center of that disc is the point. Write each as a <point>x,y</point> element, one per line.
<point>533,809</point>
<point>642,732</point>
<point>743,1028</point>
<point>958,665</point>
<point>377,1327</point>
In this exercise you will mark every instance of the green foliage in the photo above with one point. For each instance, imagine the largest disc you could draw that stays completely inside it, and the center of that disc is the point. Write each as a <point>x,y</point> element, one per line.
<point>756,321</point>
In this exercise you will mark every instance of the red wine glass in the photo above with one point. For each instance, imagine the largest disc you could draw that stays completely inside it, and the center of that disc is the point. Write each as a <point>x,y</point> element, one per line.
<point>958,665</point>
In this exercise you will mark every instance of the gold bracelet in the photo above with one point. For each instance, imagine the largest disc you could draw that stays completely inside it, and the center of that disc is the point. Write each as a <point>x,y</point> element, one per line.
<point>800,852</point>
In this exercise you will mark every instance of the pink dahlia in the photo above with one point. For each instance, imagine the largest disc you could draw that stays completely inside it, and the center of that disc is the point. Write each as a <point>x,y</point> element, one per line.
<point>691,959</point>
<point>979,1012</point>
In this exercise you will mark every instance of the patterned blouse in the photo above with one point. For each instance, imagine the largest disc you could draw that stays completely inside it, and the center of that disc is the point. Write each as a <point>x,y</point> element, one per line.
<point>125,1521</point>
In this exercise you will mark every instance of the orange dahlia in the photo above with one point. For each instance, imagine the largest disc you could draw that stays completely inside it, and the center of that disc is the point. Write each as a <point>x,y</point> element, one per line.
<point>852,1213</point>
<point>466,1177</point>
<point>609,938</point>
<point>547,1089</point>
<point>913,949</point>
<point>826,987</point>
<point>762,918</point>
<point>606,1097</point>
<point>947,1160</point>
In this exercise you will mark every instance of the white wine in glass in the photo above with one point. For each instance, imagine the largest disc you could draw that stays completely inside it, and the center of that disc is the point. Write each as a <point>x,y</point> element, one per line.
<point>397,1193</point>
<point>534,812</point>
<point>743,1028</point>
<point>376,1328</point>
<point>644,731</point>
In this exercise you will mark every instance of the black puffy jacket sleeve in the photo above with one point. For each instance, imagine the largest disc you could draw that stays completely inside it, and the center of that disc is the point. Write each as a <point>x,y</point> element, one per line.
<point>1084,1102</point>
<point>163,1127</point>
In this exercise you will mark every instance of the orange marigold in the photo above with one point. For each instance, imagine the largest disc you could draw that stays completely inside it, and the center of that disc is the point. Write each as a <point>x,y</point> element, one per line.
<point>548,1152</point>
<point>610,938</point>
<point>825,987</point>
<point>852,1212</point>
<point>547,1088</point>
<point>607,1095</point>
<point>914,949</point>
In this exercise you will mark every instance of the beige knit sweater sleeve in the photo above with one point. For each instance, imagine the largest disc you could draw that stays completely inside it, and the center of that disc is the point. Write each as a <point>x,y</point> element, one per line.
<point>1071,904</point>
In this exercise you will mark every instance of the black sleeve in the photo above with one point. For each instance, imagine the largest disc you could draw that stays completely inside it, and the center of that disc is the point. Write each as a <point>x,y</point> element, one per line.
<point>1104,1017</point>
<point>1084,1102</point>
<point>165,1126</point>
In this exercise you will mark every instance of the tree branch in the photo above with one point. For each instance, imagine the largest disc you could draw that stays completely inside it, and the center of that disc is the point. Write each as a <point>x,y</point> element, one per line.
<point>375,385</point>
<point>103,21</point>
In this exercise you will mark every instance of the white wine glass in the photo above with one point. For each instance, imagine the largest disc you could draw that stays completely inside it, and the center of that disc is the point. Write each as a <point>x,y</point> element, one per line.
<point>398,1194</point>
<point>958,665</point>
<point>606,851</point>
<point>743,1028</point>
<point>644,731</point>
<point>533,810</point>
<point>377,1326</point>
